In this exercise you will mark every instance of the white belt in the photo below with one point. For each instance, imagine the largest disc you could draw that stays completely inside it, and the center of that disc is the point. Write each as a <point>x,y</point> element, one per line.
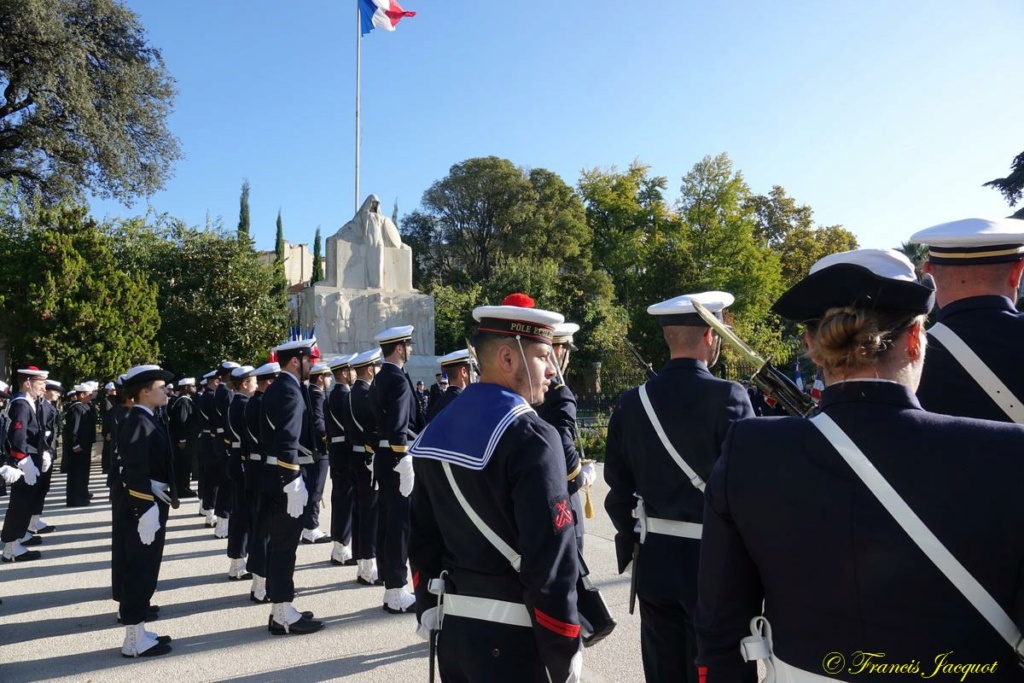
<point>220,430</point>
<point>758,646</point>
<point>384,443</point>
<point>670,527</point>
<point>305,459</point>
<point>206,431</point>
<point>664,527</point>
<point>485,609</point>
<point>359,449</point>
<point>337,439</point>
<point>256,457</point>
<point>236,444</point>
<point>271,460</point>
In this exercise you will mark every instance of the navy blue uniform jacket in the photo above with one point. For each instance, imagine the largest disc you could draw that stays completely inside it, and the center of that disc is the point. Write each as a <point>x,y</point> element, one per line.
<point>521,496</point>
<point>25,434</point>
<point>397,412</point>
<point>335,414</point>
<point>316,406</point>
<point>362,426</point>
<point>145,451</point>
<point>559,411</point>
<point>285,431</point>
<point>994,330</point>
<point>788,522</point>
<point>443,402</point>
<point>696,410</point>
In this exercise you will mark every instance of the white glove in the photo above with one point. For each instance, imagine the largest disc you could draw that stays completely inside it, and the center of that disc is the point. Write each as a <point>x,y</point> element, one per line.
<point>430,620</point>
<point>10,474</point>
<point>369,462</point>
<point>29,468</point>
<point>47,461</point>
<point>149,524</point>
<point>297,496</point>
<point>589,474</point>
<point>159,490</point>
<point>407,478</point>
<point>575,668</point>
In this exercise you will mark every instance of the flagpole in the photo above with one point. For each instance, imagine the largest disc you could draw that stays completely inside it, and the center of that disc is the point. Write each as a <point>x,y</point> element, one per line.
<point>359,40</point>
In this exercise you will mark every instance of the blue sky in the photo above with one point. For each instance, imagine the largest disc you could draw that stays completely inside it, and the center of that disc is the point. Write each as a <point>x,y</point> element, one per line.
<point>883,116</point>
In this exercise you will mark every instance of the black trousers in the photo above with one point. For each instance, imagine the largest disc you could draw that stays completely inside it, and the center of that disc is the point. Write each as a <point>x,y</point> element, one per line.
<point>392,532</point>
<point>256,563</point>
<point>316,480</point>
<point>117,549</point>
<point>470,650</point>
<point>239,523</point>
<point>19,510</point>
<point>183,458</point>
<point>217,490</point>
<point>107,455</point>
<point>43,484</point>
<point>668,643</point>
<point>141,563</point>
<point>283,532</point>
<point>366,516</point>
<point>77,492</point>
<point>343,497</point>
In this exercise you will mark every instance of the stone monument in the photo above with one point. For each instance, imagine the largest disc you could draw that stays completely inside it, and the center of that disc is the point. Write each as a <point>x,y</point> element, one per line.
<point>367,289</point>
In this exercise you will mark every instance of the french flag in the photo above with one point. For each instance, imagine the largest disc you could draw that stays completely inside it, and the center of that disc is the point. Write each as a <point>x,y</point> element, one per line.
<point>383,14</point>
<point>818,387</point>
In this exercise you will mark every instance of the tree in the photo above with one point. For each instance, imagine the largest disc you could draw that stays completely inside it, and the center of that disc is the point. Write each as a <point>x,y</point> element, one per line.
<point>280,287</point>
<point>243,212</point>
<point>318,266</point>
<point>1012,186</point>
<point>85,101</point>
<point>917,253</point>
<point>777,215</point>
<point>216,298</point>
<point>68,304</point>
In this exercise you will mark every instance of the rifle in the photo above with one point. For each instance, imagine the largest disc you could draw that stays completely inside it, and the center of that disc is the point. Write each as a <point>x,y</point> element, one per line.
<point>768,378</point>
<point>640,359</point>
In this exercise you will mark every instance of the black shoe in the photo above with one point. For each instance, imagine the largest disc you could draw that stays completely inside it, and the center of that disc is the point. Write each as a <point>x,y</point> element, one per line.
<point>35,540</point>
<point>48,529</point>
<point>79,504</point>
<point>90,495</point>
<point>24,557</point>
<point>301,627</point>
<point>160,648</point>
<point>244,577</point>
<point>253,598</point>
<point>189,493</point>
<point>322,539</point>
<point>346,563</point>
<point>163,640</point>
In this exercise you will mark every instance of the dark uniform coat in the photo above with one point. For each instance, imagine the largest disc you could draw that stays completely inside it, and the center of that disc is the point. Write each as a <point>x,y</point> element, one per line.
<point>360,436</point>
<point>559,411</point>
<point>24,438</point>
<point>520,494</point>
<point>79,436</point>
<point>994,330</point>
<point>442,402</point>
<point>789,523</point>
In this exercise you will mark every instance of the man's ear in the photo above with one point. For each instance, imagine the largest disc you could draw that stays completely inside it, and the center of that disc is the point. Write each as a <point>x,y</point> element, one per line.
<point>1015,275</point>
<point>709,336</point>
<point>505,358</point>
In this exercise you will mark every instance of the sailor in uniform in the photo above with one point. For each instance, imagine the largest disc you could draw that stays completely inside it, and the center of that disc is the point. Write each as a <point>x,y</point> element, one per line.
<point>79,436</point>
<point>147,477</point>
<point>219,480</point>
<point>874,527</point>
<point>184,427</point>
<point>974,347</point>
<point>256,563</point>
<point>50,415</point>
<point>319,380</point>
<point>286,435</point>
<point>655,497</point>
<point>492,522</point>
<point>399,420</point>
<point>559,411</point>
<point>244,384</point>
<point>360,431</point>
<point>25,439</point>
<point>206,487</point>
<point>339,451</point>
<point>458,366</point>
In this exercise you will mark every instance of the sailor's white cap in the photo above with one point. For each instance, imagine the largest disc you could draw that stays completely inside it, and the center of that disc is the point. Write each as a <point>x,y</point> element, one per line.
<point>680,311</point>
<point>366,358</point>
<point>973,241</point>
<point>394,334</point>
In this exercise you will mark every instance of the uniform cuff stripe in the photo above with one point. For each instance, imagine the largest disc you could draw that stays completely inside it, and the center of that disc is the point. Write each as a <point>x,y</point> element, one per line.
<point>560,627</point>
<point>140,496</point>
<point>288,466</point>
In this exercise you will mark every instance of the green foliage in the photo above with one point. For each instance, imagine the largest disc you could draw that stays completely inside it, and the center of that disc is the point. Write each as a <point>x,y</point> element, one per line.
<point>216,299</point>
<point>243,212</point>
<point>279,288</point>
<point>917,253</point>
<point>453,315</point>
<point>85,101</point>
<point>318,266</point>
<point>1012,186</point>
<point>68,305</point>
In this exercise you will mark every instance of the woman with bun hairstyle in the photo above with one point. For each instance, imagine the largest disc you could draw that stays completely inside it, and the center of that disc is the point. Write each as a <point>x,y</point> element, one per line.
<point>876,538</point>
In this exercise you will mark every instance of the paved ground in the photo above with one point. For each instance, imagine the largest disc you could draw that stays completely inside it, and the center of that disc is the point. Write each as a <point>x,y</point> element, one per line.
<point>57,622</point>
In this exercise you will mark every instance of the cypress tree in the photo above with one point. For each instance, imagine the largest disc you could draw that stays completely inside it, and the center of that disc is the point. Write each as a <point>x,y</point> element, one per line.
<point>243,212</point>
<point>318,267</point>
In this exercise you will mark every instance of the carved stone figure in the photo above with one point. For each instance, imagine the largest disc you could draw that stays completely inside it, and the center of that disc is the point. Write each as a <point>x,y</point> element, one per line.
<point>367,253</point>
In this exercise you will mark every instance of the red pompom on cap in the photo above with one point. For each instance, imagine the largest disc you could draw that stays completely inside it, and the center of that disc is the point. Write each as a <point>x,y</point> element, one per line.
<point>518,299</point>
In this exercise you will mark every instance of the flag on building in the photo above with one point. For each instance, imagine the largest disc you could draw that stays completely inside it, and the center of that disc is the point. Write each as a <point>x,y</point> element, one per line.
<point>383,14</point>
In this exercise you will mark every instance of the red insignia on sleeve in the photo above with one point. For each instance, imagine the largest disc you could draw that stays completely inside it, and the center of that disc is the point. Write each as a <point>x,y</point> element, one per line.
<point>561,514</point>
<point>17,425</point>
<point>702,674</point>
<point>562,628</point>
